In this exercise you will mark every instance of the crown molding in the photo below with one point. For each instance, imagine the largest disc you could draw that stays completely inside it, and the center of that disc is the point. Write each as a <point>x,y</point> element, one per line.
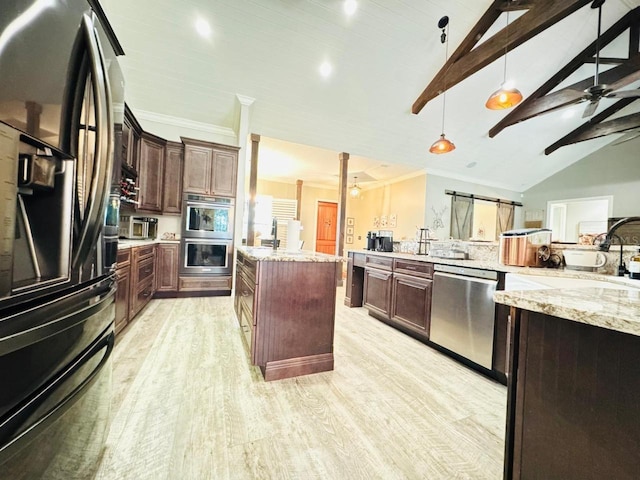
<point>185,123</point>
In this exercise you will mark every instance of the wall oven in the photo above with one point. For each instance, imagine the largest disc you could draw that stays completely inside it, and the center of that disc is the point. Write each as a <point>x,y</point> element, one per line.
<point>202,256</point>
<point>207,217</point>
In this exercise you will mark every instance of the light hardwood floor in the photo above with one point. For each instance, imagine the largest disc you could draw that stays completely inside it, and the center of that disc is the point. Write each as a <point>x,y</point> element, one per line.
<point>187,405</point>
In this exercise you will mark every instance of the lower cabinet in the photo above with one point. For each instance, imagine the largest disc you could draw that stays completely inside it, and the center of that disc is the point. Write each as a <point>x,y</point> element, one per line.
<point>411,303</point>
<point>377,291</point>
<point>143,263</point>
<point>167,255</point>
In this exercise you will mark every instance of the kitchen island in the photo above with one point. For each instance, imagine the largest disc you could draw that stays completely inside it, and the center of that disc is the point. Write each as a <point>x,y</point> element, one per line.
<point>573,408</point>
<point>285,304</point>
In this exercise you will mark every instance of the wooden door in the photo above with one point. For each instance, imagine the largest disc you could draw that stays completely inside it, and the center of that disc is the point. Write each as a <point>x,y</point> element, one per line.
<point>197,169</point>
<point>150,170</point>
<point>326,227</point>
<point>167,267</point>
<point>223,173</point>
<point>173,160</point>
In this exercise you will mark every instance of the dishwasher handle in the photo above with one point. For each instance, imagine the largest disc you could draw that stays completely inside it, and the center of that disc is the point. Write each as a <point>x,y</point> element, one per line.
<point>466,278</point>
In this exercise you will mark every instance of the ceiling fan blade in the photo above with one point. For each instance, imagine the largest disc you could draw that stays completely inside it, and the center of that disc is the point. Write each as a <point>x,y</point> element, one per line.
<point>624,94</point>
<point>591,108</point>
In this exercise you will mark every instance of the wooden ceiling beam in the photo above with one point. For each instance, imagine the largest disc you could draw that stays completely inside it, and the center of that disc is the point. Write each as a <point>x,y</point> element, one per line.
<point>606,60</point>
<point>520,113</point>
<point>596,127</point>
<point>467,60</point>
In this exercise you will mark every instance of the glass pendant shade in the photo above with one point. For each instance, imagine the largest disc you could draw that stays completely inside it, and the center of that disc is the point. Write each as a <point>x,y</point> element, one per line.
<point>354,191</point>
<point>442,146</point>
<point>504,98</point>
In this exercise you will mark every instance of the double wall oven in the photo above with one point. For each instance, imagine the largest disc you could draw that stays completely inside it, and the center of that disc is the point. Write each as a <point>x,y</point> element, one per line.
<point>207,235</point>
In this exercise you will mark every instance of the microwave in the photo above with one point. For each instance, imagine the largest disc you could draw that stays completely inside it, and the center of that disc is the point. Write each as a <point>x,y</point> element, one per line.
<point>137,228</point>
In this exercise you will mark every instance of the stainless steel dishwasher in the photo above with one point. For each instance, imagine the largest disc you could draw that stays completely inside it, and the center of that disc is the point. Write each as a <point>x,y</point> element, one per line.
<point>463,312</point>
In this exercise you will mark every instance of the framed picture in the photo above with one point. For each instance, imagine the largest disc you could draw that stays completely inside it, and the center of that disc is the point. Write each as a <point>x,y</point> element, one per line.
<point>350,221</point>
<point>349,239</point>
<point>393,220</point>
<point>376,222</point>
<point>383,221</point>
<point>349,230</point>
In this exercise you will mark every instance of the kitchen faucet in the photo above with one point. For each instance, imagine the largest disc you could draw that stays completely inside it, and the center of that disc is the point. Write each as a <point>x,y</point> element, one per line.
<point>606,244</point>
<point>274,232</point>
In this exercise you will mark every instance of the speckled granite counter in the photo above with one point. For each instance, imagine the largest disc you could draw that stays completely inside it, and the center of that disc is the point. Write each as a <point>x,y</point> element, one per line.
<point>609,308</point>
<point>123,243</point>
<point>268,254</point>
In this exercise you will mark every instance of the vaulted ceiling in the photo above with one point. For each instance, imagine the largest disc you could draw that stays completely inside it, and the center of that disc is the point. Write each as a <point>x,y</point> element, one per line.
<point>383,57</point>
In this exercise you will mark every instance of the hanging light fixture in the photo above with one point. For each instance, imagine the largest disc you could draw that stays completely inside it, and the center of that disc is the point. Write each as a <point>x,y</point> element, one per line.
<point>354,191</point>
<point>504,97</point>
<point>442,145</point>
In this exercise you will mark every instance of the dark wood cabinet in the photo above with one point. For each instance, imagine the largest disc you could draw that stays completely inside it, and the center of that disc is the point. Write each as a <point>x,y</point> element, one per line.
<point>123,275</point>
<point>210,168</point>
<point>286,311</point>
<point>167,255</point>
<point>130,140</point>
<point>377,291</point>
<point>150,173</point>
<point>142,277</point>
<point>172,191</point>
<point>411,303</point>
<point>573,407</point>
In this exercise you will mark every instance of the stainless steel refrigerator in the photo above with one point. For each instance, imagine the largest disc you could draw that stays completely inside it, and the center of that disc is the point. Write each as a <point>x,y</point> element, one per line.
<point>61,100</point>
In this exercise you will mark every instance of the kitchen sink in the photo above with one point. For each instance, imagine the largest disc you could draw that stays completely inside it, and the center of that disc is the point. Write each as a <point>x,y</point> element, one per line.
<point>516,281</point>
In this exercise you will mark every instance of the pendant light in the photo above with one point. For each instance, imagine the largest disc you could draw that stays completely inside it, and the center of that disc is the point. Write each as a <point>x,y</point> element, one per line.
<point>504,97</point>
<point>442,145</point>
<point>354,191</point>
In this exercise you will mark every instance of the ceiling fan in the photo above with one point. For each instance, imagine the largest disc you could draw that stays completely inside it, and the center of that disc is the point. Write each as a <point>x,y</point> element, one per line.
<point>594,93</point>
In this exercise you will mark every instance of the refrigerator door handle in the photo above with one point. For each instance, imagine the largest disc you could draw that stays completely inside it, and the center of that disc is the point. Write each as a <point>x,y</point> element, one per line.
<point>38,401</point>
<point>97,201</point>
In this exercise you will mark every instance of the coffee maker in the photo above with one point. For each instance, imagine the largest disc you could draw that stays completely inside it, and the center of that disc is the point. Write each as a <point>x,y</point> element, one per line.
<point>380,241</point>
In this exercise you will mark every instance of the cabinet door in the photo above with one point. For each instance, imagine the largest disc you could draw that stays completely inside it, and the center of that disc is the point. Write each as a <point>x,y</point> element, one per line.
<point>197,169</point>
<point>151,165</point>
<point>122,298</point>
<point>411,303</point>
<point>377,291</point>
<point>172,195</point>
<point>223,173</point>
<point>167,270</point>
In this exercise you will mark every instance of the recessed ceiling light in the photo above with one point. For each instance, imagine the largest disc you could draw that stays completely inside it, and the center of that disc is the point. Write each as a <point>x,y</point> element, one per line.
<point>325,69</point>
<point>203,28</point>
<point>350,7</point>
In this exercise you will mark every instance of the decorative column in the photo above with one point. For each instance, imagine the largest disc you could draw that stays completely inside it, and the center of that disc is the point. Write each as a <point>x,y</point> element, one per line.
<point>342,208</point>
<point>243,142</point>
<point>253,188</point>
<point>298,198</point>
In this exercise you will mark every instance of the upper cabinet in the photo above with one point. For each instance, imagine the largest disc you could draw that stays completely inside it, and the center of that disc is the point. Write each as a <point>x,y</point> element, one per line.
<point>210,168</point>
<point>150,172</point>
<point>173,162</point>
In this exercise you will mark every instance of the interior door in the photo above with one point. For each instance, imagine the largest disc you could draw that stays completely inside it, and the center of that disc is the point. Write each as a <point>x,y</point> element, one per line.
<point>326,227</point>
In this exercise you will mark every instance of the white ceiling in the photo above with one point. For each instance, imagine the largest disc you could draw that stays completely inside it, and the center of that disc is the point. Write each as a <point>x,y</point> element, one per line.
<point>382,57</point>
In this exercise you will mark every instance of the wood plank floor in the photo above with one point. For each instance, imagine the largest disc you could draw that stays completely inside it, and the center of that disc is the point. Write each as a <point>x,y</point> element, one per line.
<point>187,405</point>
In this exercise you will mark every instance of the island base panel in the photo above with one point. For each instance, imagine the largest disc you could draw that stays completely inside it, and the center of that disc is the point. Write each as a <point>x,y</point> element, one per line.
<point>294,367</point>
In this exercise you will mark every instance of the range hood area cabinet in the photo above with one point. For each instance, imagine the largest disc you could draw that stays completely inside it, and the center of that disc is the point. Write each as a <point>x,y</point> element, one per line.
<point>210,168</point>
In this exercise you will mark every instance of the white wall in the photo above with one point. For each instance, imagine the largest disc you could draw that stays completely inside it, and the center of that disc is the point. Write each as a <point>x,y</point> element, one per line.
<point>438,203</point>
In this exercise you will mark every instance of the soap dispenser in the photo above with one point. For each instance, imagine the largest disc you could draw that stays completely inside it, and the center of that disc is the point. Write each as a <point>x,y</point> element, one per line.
<point>634,266</point>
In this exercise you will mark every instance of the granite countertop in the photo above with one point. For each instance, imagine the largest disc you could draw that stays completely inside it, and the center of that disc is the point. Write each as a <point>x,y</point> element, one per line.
<point>124,243</point>
<point>614,309</point>
<point>268,254</point>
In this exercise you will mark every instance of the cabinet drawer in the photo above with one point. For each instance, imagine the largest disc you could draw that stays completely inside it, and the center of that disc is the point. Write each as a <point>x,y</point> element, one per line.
<point>146,269</point>
<point>246,326</point>
<point>359,259</point>
<point>411,267</point>
<point>247,293</point>
<point>145,251</point>
<point>124,257</point>
<point>250,268</point>
<point>384,263</point>
<point>198,284</point>
<point>142,296</point>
